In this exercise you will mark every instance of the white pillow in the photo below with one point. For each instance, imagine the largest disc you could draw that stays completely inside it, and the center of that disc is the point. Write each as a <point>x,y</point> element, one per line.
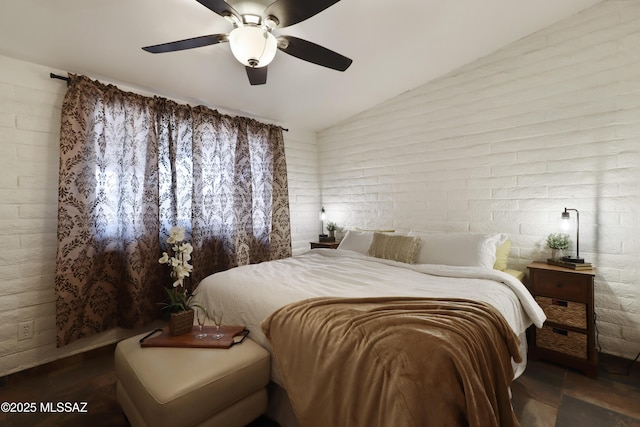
<point>463,249</point>
<point>358,241</point>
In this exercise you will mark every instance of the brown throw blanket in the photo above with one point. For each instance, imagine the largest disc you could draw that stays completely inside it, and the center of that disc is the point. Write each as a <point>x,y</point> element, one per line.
<point>395,362</point>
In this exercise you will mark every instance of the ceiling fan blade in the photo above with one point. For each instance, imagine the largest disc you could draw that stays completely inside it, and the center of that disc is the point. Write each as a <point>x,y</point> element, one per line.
<point>291,12</point>
<point>257,76</point>
<point>187,43</point>
<point>220,7</point>
<point>314,53</point>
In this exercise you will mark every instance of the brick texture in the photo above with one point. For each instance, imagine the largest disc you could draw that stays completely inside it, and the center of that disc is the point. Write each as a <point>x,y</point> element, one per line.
<point>505,143</point>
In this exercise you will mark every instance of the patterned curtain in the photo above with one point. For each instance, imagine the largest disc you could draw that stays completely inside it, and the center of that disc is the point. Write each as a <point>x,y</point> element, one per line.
<point>131,167</point>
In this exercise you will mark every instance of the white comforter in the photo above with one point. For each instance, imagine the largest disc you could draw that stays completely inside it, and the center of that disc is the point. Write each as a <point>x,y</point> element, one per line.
<point>249,294</point>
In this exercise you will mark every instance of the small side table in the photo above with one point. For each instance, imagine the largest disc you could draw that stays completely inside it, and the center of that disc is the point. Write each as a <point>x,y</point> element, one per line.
<point>324,245</point>
<point>568,335</point>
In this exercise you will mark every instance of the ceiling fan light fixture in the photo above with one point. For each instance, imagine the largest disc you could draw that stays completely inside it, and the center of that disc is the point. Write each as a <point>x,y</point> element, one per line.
<point>271,22</point>
<point>253,46</point>
<point>232,19</point>
<point>251,19</point>
<point>252,42</point>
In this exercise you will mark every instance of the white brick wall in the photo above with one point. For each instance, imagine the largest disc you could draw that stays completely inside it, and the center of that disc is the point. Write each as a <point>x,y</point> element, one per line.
<point>29,131</point>
<point>304,194</point>
<point>504,144</point>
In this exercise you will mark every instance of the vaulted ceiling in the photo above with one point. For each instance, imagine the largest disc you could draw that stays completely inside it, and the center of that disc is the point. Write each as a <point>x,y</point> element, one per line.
<point>395,46</point>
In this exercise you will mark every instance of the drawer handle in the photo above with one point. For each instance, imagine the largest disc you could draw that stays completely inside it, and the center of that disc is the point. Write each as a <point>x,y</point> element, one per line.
<point>560,331</point>
<point>559,302</point>
<point>558,285</point>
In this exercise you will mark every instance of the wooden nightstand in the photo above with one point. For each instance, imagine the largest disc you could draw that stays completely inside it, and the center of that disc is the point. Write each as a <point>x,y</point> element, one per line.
<point>327,245</point>
<point>568,335</point>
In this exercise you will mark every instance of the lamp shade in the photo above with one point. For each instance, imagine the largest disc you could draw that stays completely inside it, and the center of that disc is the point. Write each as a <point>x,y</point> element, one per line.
<point>253,46</point>
<point>565,221</point>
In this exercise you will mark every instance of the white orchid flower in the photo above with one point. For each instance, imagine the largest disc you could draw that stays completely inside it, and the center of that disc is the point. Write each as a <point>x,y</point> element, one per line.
<point>179,262</point>
<point>176,234</point>
<point>182,271</point>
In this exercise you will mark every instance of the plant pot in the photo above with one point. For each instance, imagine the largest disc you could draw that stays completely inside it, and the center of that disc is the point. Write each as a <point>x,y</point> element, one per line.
<point>557,254</point>
<point>181,322</point>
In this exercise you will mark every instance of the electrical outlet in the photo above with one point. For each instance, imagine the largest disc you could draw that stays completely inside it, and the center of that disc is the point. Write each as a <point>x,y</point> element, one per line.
<point>25,330</point>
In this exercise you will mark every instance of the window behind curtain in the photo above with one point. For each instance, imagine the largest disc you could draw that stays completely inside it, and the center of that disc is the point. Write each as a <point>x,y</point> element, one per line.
<point>131,167</point>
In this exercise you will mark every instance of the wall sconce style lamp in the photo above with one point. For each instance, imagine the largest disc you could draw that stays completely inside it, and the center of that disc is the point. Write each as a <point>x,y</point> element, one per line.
<point>566,218</point>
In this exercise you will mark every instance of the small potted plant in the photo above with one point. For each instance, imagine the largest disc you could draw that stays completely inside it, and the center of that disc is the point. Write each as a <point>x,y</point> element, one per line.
<point>558,243</point>
<point>331,228</point>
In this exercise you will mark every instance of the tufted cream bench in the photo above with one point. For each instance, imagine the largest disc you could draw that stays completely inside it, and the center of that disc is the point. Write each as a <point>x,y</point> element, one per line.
<point>185,387</point>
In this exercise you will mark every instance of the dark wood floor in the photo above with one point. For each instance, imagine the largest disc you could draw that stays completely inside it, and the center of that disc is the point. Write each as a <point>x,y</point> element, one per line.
<point>549,395</point>
<point>545,395</point>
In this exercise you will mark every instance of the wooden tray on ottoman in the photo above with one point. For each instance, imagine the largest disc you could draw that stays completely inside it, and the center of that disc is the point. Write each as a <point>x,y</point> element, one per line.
<point>232,335</point>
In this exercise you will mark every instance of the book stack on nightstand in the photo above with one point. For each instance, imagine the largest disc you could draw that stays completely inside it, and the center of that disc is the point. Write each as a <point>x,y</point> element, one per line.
<point>566,297</point>
<point>570,264</point>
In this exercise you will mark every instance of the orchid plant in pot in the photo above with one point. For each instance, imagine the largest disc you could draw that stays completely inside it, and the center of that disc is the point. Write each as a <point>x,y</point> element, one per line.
<point>178,306</point>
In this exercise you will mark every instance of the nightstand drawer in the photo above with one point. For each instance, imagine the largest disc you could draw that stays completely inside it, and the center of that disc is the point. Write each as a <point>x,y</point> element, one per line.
<point>565,312</point>
<point>561,285</point>
<point>562,341</point>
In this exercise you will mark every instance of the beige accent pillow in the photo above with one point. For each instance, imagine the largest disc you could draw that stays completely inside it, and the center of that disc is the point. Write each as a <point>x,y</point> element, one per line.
<point>394,247</point>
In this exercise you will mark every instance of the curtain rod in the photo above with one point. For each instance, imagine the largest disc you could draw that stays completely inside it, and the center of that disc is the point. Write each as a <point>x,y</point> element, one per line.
<point>55,76</point>
<point>68,79</point>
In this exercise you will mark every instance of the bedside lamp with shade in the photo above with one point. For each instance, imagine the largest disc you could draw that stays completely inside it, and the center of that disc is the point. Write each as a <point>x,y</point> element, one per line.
<point>566,223</point>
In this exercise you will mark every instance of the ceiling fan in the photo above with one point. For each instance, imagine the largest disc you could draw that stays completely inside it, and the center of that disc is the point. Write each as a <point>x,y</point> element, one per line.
<point>252,42</point>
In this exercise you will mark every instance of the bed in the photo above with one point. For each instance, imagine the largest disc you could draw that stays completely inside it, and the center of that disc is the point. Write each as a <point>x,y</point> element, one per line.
<point>367,270</point>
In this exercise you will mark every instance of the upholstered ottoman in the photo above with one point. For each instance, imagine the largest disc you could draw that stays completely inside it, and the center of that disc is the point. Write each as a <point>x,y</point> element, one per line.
<point>159,386</point>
